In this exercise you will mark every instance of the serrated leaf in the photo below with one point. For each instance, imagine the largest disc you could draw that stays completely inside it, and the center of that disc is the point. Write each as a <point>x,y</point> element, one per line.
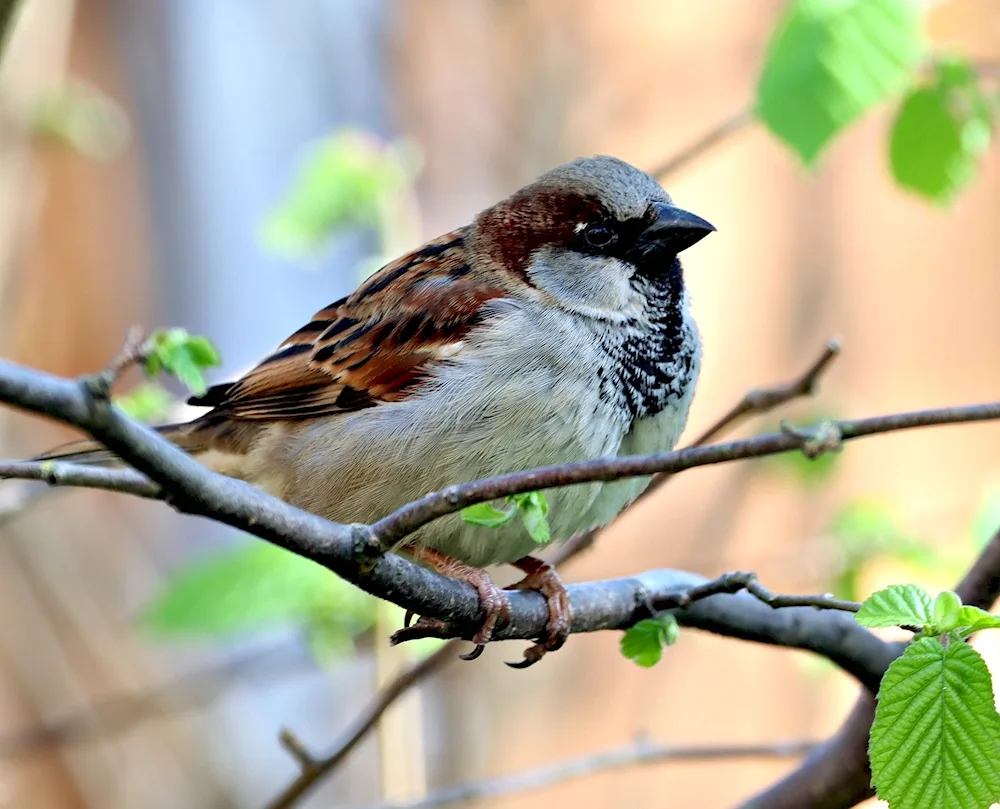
<point>487,515</point>
<point>897,605</point>
<point>643,643</point>
<point>935,742</point>
<point>830,61</point>
<point>973,619</point>
<point>940,132</point>
<point>253,586</point>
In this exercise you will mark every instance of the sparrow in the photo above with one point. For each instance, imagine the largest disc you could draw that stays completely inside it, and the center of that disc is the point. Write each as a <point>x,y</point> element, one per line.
<point>554,328</point>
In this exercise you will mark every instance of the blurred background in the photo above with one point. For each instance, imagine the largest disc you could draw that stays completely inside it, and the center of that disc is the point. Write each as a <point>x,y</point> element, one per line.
<point>155,154</point>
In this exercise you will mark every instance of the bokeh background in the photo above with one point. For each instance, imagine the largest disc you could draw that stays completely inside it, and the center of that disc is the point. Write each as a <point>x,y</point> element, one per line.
<point>219,101</point>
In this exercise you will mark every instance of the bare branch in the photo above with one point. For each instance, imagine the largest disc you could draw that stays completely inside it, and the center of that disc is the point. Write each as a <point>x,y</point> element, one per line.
<point>735,582</point>
<point>313,768</point>
<point>634,755</point>
<point>722,131</point>
<point>409,518</point>
<point>762,400</point>
<point>759,401</point>
<point>60,473</point>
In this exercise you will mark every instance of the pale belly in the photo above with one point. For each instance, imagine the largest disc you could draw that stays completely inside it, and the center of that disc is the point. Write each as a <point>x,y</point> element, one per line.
<point>472,424</point>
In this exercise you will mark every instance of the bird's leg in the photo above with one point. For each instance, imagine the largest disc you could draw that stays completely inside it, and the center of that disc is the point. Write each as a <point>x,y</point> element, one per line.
<point>492,599</point>
<point>543,577</point>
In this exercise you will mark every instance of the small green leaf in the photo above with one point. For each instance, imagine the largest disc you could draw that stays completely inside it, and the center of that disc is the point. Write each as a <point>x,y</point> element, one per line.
<point>947,612</point>
<point>972,619</point>
<point>183,355</point>
<point>485,514</point>
<point>935,742</point>
<point>148,402</point>
<point>253,586</point>
<point>532,507</point>
<point>897,605</point>
<point>940,132</point>
<point>534,510</point>
<point>644,642</point>
<point>344,180</point>
<point>830,61</point>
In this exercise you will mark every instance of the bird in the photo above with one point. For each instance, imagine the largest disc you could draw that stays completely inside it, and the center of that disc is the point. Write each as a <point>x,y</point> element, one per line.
<point>556,327</point>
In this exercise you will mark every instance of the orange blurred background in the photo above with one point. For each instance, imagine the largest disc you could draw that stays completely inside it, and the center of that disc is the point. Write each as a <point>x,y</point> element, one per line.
<point>221,96</point>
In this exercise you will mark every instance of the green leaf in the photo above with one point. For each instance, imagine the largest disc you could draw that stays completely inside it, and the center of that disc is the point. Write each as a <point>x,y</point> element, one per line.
<point>534,510</point>
<point>183,355</point>
<point>485,514</point>
<point>947,612</point>
<point>532,507</point>
<point>344,180</point>
<point>256,585</point>
<point>940,132</point>
<point>830,61</point>
<point>644,642</point>
<point>935,742</point>
<point>148,402</point>
<point>897,605</point>
<point>972,619</point>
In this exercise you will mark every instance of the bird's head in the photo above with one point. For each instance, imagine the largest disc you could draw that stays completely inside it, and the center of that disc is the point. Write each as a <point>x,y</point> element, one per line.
<point>588,234</point>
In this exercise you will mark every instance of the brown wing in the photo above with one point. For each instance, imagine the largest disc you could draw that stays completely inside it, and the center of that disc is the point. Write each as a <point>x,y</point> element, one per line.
<point>370,347</point>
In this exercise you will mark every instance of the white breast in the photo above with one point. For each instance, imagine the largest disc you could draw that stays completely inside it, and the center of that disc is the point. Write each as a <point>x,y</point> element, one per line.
<point>511,400</point>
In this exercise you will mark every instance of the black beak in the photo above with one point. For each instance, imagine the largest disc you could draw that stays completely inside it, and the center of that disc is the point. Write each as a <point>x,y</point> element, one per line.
<point>674,229</point>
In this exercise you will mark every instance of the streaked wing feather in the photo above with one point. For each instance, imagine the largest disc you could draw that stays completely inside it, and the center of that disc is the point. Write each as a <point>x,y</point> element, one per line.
<point>373,346</point>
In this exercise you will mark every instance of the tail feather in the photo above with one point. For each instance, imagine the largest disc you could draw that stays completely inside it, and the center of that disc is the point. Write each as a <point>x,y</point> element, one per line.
<point>93,453</point>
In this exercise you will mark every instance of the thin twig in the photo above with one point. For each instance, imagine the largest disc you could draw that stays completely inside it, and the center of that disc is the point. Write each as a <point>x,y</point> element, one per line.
<point>705,142</point>
<point>759,401</point>
<point>318,767</point>
<point>61,473</point>
<point>763,400</point>
<point>411,517</point>
<point>631,756</point>
<point>735,582</point>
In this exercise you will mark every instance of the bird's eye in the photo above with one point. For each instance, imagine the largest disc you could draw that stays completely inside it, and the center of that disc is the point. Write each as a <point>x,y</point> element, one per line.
<point>599,236</point>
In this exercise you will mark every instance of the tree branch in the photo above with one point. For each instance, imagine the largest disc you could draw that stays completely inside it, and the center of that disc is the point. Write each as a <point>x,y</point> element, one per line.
<point>409,518</point>
<point>837,774</point>
<point>722,131</point>
<point>631,756</point>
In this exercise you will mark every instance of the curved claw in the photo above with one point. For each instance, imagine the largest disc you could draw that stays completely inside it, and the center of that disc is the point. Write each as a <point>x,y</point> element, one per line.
<point>475,653</point>
<point>408,618</point>
<point>532,655</point>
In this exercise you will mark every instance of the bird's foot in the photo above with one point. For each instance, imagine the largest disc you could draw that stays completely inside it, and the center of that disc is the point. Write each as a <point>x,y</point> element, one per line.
<point>492,600</point>
<point>543,577</point>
